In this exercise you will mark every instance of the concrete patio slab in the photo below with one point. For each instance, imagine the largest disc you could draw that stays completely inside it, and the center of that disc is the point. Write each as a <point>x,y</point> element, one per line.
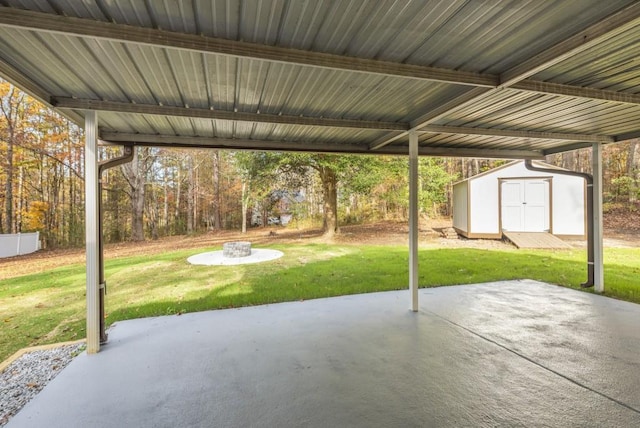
<point>517,353</point>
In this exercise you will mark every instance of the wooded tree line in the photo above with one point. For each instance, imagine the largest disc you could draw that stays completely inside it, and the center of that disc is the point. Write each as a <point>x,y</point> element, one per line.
<point>168,191</point>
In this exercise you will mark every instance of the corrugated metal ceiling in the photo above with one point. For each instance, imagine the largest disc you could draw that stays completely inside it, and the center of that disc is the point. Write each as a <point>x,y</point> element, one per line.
<point>63,63</point>
<point>612,65</point>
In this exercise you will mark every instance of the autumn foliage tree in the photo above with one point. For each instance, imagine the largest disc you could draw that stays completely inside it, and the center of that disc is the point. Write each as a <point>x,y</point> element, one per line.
<point>42,170</point>
<point>16,109</point>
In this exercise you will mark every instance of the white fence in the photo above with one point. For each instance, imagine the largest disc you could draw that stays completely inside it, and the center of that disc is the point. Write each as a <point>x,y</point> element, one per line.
<point>19,243</point>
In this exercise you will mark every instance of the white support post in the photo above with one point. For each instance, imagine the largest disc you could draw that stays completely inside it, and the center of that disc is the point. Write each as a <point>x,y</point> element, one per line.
<point>413,219</point>
<point>91,228</point>
<point>598,259</point>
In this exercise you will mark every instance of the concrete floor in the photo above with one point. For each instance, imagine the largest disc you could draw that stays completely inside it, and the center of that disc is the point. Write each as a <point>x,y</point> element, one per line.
<point>517,353</point>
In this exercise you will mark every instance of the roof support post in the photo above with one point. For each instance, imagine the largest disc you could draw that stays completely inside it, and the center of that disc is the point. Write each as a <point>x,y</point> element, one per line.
<point>598,260</point>
<point>92,241</point>
<point>126,157</point>
<point>413,219</point>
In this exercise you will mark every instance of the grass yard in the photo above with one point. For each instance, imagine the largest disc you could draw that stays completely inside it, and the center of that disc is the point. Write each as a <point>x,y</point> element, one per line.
<point>50,306</point>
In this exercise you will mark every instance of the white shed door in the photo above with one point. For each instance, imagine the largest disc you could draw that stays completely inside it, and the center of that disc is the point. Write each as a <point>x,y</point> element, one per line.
<point>525,205</point>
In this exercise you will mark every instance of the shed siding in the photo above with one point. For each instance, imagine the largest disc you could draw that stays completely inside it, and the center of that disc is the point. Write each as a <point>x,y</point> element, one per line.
<point>483,203</point>
<point>460,206</point>
<point>568,206</point>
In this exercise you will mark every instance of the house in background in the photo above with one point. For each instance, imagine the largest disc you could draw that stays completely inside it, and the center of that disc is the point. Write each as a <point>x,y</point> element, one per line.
<point>512,198</point>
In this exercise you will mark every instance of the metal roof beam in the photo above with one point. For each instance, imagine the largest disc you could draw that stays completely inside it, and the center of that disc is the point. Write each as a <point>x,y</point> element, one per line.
<point>386,140</point>
<point>268,145</point>
<point>229,143</point>
<point>628,136</point>
<point>38,21</point>
<point>435,114</point>
<point>10,74</point>
<point>576,91</point>
<point>436,129</point>
<point>567,148</point>
<point>609,27</point>
<point>120,107</point>
<point>450,106</point>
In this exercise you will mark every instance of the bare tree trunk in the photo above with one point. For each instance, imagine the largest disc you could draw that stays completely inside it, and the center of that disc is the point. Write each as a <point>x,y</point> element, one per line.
<point>265,216</point>
<point>196,197</point>
<point>20,199</point>
<point>165,208</point>
<point>176,213</point>
<point>152,213</point>
<point>217,217</point>
<point>137,217</point>
<point>631,171</point>
<point>583,163</point>
<point>64,201</point>
<point>8,187</point>
<point>134,174</point>
<point>137,212</point>
<point>476,167</point>
<point>330,201</point>
<point>190,195</point>
<point>115,234</point>
<point>245,205</point>
<point>631,157</point>
<point>571,160</point>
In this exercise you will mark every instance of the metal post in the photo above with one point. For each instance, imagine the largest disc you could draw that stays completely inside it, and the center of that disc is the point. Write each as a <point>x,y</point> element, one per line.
<point>91,230</point>
<point>598,260</point>
<point>413,219</point>
<point>127,156</point>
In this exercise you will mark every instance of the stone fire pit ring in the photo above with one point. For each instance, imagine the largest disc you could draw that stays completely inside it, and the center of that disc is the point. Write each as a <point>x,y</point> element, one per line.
<point>236,249</point>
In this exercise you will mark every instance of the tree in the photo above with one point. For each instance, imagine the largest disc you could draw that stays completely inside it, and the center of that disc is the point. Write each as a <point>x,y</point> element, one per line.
<point>215,175</point>
<point>135,173</point>
<point>331,170</point>
<point>15,108</point>
<point>190,192</point>
<point>434,183</point>
<point>632,170</point>
<point>293,168</point>
<point>258,172</point>
<point>329,178</point>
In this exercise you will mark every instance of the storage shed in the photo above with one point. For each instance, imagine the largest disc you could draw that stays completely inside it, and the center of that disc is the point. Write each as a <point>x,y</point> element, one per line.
<point>515,199</point>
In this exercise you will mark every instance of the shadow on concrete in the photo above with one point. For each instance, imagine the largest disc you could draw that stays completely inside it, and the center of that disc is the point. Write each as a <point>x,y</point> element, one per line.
<point>514,353</point>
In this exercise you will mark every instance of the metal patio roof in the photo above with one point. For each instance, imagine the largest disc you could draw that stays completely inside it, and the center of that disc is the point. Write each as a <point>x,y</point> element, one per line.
<point>512,79</point>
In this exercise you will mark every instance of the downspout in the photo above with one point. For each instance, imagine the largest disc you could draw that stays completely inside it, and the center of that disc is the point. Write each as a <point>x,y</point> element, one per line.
<point>126,157</point>
<point>590,239</point>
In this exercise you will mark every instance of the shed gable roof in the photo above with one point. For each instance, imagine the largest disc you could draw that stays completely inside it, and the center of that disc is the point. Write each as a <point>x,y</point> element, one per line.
<point>500,168</point>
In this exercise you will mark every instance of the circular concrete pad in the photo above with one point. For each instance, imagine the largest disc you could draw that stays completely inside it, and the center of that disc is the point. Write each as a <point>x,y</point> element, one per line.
<point>215,258</point>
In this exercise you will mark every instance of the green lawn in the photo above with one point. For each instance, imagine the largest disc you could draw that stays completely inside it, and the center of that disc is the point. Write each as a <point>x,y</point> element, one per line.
<point>50,307</point>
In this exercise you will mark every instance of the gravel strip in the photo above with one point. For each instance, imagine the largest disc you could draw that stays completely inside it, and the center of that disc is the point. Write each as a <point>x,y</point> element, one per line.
<point>25,377</point>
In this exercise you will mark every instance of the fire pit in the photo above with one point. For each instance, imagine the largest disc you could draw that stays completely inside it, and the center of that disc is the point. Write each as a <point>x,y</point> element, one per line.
<point>236,249</point>
<point>235,253</point>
